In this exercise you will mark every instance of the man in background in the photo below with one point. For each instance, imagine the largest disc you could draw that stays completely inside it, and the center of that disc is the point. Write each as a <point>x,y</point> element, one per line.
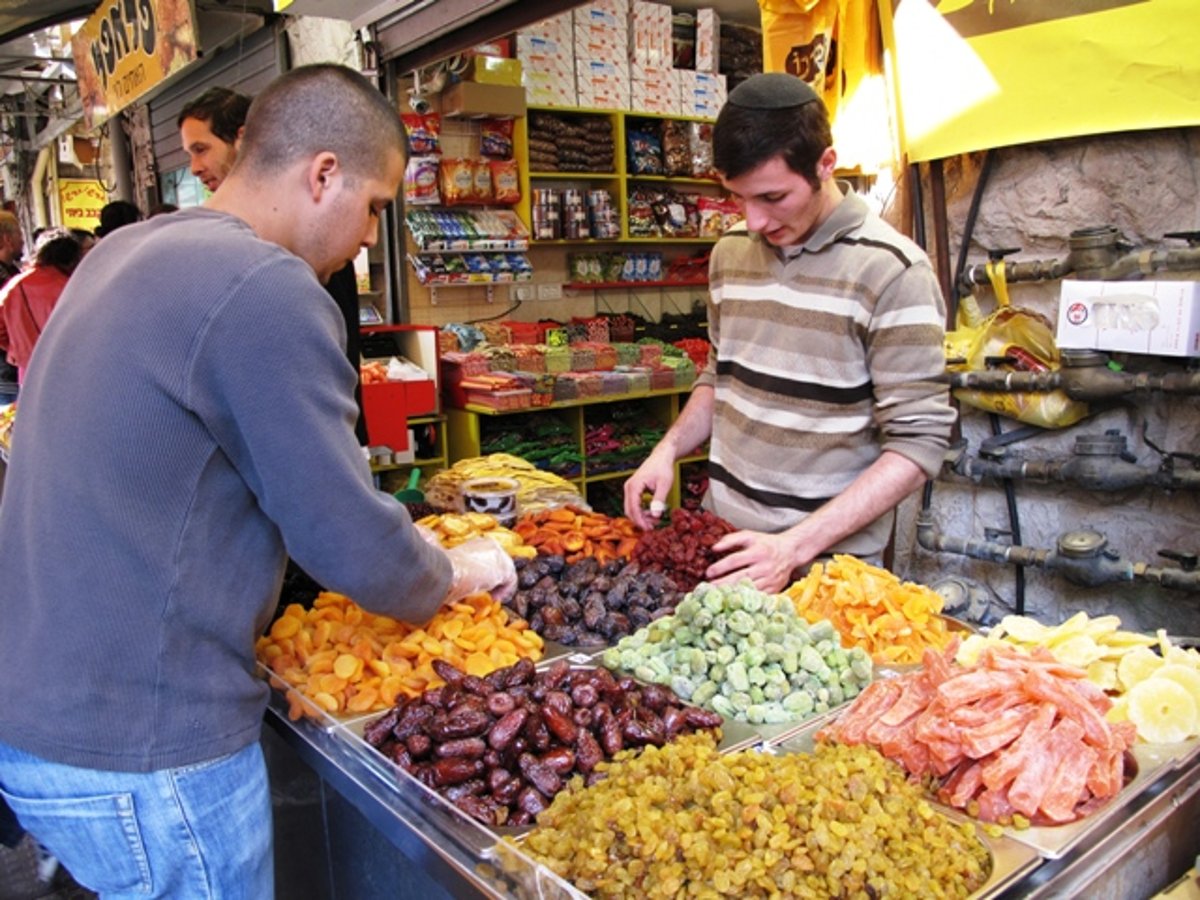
<point>211,128</point>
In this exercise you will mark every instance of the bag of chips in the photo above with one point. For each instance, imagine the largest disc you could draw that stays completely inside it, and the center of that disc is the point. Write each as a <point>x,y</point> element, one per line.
<point>457,181</point>
<point>423,133</point>
<point>496,138</point>
<point>421,181</point>
<point>481,178</point>
<point>506,181</point>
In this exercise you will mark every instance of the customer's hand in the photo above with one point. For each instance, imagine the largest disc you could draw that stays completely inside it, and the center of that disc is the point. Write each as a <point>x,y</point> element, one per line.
<point>481,564</point>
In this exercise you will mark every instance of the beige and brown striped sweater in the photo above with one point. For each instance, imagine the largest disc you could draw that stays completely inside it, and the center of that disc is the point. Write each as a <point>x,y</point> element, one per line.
<point>824,355</point>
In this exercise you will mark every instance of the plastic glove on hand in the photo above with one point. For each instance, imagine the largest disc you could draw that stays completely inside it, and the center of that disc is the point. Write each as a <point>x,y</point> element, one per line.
<point>481,564</point>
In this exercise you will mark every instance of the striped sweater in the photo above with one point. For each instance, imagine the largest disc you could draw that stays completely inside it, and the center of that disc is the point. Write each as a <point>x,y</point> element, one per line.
<point>824,355</point>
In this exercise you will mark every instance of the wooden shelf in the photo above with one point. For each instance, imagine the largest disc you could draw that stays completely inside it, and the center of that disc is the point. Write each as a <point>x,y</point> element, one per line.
<point>673,179</point>
<point>577,176</point>
<point>631,285</point>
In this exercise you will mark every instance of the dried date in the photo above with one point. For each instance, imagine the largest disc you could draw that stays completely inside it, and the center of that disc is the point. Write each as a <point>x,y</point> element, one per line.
<point>469,748</point>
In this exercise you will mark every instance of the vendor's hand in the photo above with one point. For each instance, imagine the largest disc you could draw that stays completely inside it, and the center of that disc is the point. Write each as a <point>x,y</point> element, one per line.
<point>656,475</point>
<point>766,559</point>
<point>481,564</point>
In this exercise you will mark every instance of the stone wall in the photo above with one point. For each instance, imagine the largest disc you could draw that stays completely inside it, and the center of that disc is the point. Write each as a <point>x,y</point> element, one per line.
<point>1145,184</point>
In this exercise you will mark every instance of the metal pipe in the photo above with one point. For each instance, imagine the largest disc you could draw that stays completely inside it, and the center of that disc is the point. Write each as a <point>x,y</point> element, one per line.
<point>941,227</point>
<point>1096,254</point>
<point>1082,557</point>
<point>39,195</point>
<point>1097,463</point>
<point>1091,380</point>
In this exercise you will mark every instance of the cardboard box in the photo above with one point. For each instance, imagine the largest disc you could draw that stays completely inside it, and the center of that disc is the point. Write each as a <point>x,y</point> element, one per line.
<point>708,41</point>
<point>467,98</point>
<point>599,93</point>
<point>650,34</point>
<point>1155,317</point>
<point>493,70</point>
<point>556,27</point>
<point>654,97</point>
<point>593,15</point>
<point>550,89</point>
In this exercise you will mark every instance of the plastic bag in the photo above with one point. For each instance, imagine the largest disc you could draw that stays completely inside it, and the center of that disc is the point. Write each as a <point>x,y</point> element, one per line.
<point>481,564</point>
<point>1015,340</point>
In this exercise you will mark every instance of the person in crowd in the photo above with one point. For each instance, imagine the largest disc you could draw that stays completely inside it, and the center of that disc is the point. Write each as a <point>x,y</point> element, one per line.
<point>27,300</point>
<point>194,368</point>
<point>211,127</point>
<point>820,397</point>
<point>12,247</point>
<point>116,214</point>
<point>87,239</point>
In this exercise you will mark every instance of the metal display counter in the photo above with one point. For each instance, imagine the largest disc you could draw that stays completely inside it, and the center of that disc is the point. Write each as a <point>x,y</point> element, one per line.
<point>1150,844</point>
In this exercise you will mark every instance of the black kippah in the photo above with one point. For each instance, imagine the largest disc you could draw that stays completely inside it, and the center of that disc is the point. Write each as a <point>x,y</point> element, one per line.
<point>772,90</point>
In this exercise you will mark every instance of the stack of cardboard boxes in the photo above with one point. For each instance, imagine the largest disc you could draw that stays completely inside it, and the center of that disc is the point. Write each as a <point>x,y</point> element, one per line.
<point>547,54</point>
<point>617,54</point>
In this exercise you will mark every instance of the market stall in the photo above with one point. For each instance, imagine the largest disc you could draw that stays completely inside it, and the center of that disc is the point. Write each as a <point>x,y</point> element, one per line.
<point>473,758</point>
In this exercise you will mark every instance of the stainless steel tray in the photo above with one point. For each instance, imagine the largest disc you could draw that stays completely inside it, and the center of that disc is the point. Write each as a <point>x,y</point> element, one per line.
<point>1050,841</point>
<point>329,722</point>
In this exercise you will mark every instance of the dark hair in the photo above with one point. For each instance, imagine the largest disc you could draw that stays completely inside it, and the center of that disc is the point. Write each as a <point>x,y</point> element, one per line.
<point>116,214</point>
<point>163,209</point>
<point>317,108</point>
<point>224,111</point>
<point>59,248</point>
<point>744,139</point>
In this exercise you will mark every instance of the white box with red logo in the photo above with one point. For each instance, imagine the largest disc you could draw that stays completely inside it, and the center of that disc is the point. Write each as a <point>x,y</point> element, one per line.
<point>1155,317</point>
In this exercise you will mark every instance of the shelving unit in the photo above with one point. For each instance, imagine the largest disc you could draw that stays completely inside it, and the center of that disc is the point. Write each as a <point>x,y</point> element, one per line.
<point>428,465</point>
<point>617,182</point>
<point>465,429</point>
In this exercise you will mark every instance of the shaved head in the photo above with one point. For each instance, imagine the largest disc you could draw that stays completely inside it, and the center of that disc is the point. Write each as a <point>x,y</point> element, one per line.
<point>315,109</point>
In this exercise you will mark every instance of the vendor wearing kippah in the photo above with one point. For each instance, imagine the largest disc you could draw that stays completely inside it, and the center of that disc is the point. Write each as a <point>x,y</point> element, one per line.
<point>821,397</point>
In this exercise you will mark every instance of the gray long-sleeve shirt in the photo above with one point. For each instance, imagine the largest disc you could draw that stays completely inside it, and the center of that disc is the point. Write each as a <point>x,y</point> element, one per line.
<point>187,420</point>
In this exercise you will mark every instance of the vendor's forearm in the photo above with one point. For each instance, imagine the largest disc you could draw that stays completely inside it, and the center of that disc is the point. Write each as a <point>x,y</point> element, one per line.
<point>692,428</point>
<point>878,489</point>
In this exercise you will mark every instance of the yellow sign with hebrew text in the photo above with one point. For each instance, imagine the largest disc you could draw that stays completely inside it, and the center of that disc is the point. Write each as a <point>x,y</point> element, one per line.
<point>126,48</point>
<point>974,74</point>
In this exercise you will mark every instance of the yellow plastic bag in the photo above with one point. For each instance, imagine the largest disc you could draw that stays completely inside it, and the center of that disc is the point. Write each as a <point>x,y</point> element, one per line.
<point>1023,337</point>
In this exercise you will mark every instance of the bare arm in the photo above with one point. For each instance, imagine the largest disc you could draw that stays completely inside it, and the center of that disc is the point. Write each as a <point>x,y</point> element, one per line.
<point>769,559</point>
<point>657,473</point>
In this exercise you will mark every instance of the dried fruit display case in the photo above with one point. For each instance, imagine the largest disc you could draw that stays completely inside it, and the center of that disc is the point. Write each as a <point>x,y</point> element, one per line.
<point>1158,809</point>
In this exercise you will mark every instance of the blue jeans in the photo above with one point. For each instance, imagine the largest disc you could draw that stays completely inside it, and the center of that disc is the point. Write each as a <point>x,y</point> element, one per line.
<point>199,831</point>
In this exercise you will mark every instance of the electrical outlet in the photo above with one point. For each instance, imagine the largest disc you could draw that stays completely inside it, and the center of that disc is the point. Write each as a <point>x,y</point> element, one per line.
<point>523,292</point>
<point>549,291</point>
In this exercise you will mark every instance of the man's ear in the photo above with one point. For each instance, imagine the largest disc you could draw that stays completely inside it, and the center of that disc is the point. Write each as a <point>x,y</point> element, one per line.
<point>321,173</point>
<point>826,164</point>
<point>237,138</point>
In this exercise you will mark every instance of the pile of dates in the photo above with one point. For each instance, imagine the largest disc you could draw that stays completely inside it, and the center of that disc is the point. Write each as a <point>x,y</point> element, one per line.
<point>683,547</point>
<point>589,603</point>
<point>500,747</point>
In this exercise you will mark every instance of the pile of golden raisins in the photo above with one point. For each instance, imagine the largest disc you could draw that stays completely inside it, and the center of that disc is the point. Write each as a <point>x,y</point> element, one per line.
<point>684,821</point>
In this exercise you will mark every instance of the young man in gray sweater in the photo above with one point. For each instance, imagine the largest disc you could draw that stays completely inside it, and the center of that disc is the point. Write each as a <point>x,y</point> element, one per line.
<point>188,420</point>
